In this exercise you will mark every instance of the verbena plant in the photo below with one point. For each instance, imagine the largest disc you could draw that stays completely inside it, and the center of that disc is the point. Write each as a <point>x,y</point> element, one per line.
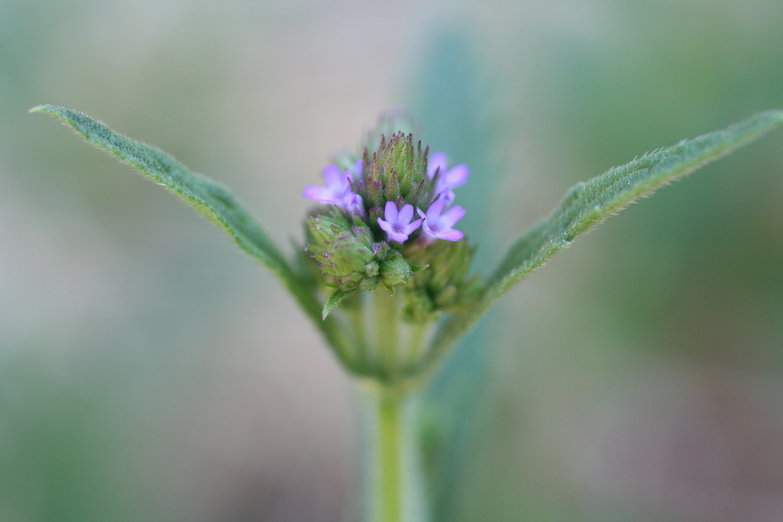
<point>383,272</point>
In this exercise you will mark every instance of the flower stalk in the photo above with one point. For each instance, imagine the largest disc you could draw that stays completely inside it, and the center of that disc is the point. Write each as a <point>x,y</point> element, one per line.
<point>391,472</point>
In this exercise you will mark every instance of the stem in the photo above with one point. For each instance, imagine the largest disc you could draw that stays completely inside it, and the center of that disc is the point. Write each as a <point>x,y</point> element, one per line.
<point>392,478</point>
<point>356,315</point>
<point>386,328</point>
<point>417,333</point>
<point>388,479</point>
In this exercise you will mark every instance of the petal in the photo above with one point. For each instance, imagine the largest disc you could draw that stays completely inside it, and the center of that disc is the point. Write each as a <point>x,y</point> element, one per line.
<point>409,229</point>
<point>433,213</point>
<point>437,161</point>
<point>420,212</point>
<point>385,226</point>
<point>318,193</point>
<point>405,215</point>
<point>333,176</point>
<point>390,211</point>
<point>456,176</point>
<point>451,216</point>
<point>451,235</point>
<point>428,229</point>
<point>398,237</point>
<point>447,195</point>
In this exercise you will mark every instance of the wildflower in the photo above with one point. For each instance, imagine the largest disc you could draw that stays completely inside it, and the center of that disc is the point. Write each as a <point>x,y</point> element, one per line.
<point>448,179</point>
<point>353,204</point>
<point>439,224</point>
<point>336,187</point>
<point>397,224</point>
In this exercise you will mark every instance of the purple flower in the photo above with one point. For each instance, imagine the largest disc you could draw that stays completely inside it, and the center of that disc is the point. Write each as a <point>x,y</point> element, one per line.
<point>438,224</point>
<point>336,187</point>
<point>398,225</point>
<point>353,204</point>
<point>448,179</point>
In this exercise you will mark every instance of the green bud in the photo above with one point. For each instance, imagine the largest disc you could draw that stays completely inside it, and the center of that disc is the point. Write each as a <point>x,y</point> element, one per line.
<point>396,170</point>
<point>445,280</point>
<point>395,271</point>
<point>343,250</point>
<point>417,306</point>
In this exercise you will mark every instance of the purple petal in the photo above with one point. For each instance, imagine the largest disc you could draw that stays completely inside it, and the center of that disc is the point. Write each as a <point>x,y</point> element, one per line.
<point>385,226</point>
<point>451,216</point>
<point>319,194</point>
<point>410,228</point>
<point>390,211</point>
<point>451,235</point>
<point>437,161</point>
<point>447,195</point>
<point>398,238</point>
<point>433,213</point>
<point>457,176</point>
<point>333,176</point>
<point>405,215</point>
<point>420,212</point>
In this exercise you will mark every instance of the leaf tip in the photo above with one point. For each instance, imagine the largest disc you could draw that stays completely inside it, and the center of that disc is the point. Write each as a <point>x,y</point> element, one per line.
<point>52,110</point>
<point>39,108</point>
<point>333,300</point>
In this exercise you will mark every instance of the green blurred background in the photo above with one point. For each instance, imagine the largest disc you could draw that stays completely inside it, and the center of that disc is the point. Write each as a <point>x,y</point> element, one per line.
<point>151,371</point>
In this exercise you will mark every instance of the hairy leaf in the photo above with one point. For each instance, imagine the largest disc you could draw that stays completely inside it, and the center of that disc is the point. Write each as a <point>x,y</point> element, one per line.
<point>210,198</point>
<point>588,203</point>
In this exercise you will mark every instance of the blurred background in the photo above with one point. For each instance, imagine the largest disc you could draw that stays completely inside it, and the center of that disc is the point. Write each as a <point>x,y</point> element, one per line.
<point>151,371</point>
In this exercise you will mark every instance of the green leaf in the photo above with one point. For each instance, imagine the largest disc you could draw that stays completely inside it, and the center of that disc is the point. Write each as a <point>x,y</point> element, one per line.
<point>210,198</point>
<point>334,299</point>
<point>588,203</point>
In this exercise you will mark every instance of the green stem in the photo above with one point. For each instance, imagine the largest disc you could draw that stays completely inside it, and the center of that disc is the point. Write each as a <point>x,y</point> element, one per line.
<point>417,333</point>
<point>388,479</point>
<point>356,316</point>
<point>392,481</point>
<point>386,328</point>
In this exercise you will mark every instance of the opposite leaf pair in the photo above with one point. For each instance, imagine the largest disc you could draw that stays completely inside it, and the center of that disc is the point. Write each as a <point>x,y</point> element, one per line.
<point>358,242</point>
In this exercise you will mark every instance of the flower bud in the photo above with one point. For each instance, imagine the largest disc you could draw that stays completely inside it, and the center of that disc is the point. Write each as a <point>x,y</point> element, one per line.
<point>395,271</point>
<point>445,281</point>
<point>397,171</point>
<point>343,250</point>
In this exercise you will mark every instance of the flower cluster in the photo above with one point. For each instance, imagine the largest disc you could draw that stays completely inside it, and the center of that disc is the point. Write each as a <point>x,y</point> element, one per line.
<point>342,189</point>
<point>389,218</point>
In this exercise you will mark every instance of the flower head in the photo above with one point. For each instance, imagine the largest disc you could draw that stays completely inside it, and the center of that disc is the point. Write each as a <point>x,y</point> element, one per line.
<point>448,179</point>
<point>397,224</point>
<point>336,187</point>
<point>367,234</point>
<point>439,224</point>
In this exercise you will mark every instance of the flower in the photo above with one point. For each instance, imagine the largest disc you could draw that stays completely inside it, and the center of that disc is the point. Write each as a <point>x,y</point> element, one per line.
<point>353,204</point>
<point>448,179</point>
<point>398,225</point>
<point>438,224</point>
<point>336,187</point>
